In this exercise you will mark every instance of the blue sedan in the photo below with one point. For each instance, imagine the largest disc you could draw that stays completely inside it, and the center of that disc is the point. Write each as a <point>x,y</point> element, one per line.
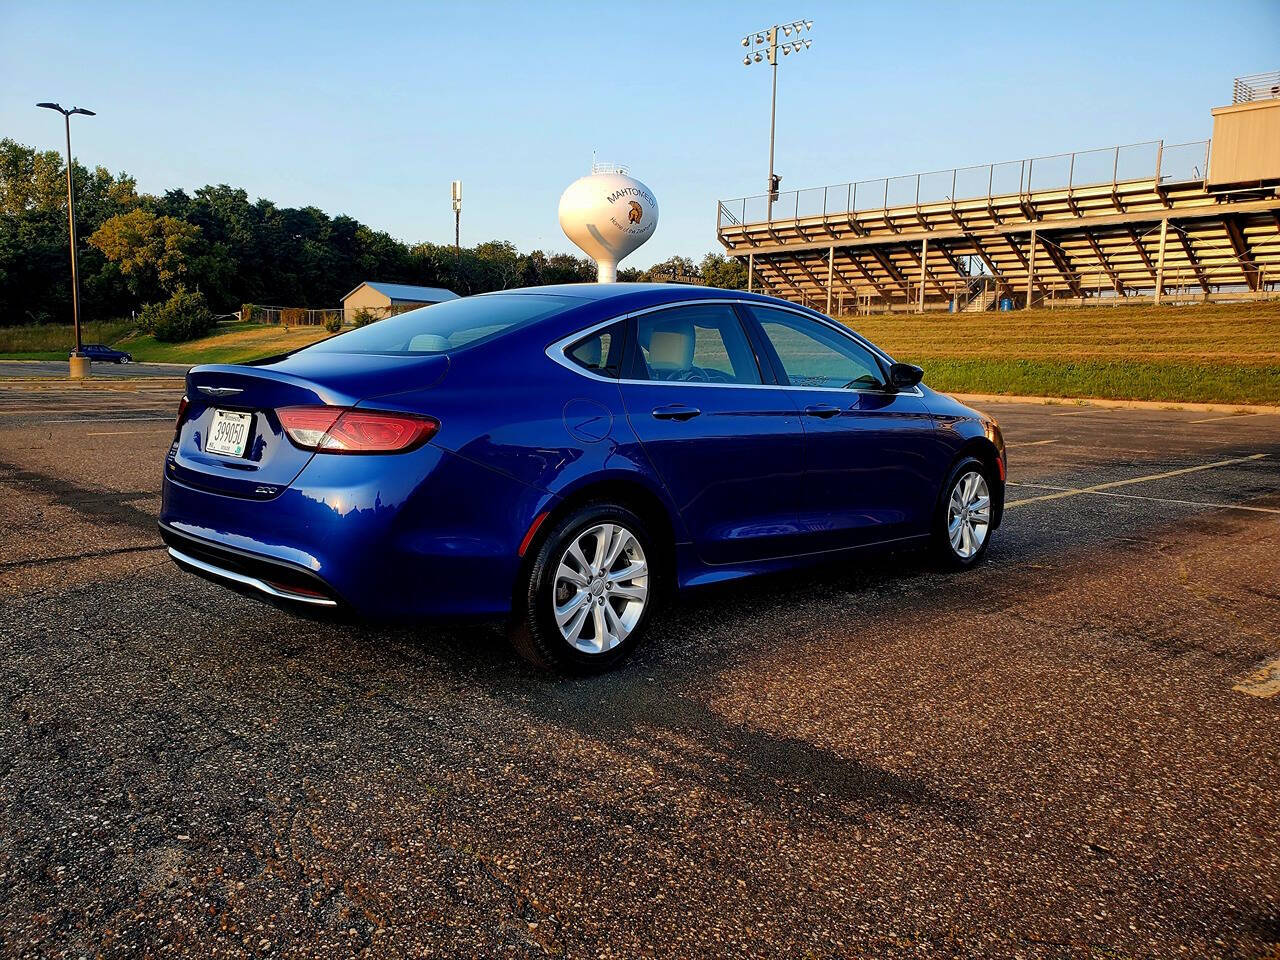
<point>563,456</point>
<point>104,354</point>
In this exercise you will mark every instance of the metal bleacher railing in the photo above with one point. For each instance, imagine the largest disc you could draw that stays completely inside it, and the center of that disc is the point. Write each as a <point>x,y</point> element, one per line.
<point>1152,160</point>
<point>1260,86</point>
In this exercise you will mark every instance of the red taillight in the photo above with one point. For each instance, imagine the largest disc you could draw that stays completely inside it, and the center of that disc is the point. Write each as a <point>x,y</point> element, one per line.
<point>182,414</point>
<point>307,426</point>
<point>339,430</point>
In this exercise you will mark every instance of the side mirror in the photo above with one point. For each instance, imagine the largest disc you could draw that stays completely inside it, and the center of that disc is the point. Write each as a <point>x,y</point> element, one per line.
<point>904,376</point>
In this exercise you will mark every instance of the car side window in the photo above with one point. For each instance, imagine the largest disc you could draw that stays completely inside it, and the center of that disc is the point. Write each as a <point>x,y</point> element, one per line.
<point>600,353</point>
<point>700,343</point>
<point>814,356</point>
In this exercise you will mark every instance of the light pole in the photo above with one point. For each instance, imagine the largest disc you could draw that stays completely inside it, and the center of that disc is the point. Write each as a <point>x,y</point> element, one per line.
<point>79,365</point>
<point>767,40</point>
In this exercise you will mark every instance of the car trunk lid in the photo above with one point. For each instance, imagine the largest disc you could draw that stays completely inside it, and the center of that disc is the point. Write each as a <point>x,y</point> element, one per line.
<point>270,462</point>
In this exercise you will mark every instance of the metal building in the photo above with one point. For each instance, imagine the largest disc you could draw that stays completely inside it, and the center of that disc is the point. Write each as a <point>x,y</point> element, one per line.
<point>1147,221</point>
<point>383,299</point>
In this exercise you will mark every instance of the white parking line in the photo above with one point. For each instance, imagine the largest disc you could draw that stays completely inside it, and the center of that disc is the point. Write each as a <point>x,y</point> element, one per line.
<point>119,433</point>
<point>1076,491</point>
<point>1137,496</point>
<point>106,420</point>
<point>113,408</point>
<point>1076,413</point>
<point>1230,416</point>
<point>1035,443</point>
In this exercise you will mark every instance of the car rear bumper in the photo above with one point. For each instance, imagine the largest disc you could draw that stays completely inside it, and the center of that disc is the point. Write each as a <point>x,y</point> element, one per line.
<point>424,535</point>
<point>275,579</point>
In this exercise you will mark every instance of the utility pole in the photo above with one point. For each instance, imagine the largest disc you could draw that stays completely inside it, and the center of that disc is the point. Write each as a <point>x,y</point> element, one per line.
<point>457,217</point>
<point>768,39</point>
<point>79,364</point>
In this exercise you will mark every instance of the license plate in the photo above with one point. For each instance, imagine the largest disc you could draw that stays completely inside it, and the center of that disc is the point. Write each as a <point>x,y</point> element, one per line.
<point>228,433</point>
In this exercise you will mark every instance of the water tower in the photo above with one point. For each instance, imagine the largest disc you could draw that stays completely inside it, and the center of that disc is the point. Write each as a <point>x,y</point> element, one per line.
<point>608,214</point>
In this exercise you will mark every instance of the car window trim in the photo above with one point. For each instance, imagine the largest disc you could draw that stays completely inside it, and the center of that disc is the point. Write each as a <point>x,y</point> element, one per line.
<point>556,350</point>
<point>766,356</point>
<point>764,352</point>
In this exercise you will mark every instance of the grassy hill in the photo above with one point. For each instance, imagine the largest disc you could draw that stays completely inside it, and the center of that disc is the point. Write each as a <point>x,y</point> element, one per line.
<point>1228,353</point>
<point>232,343</point>
<point>53,341</point>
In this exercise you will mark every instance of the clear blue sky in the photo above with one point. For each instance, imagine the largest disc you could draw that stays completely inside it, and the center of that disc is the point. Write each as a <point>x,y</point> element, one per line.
<point>370,108</point>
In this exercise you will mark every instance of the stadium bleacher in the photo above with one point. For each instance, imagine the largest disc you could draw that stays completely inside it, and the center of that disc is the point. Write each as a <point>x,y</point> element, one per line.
<point>1149,222</point>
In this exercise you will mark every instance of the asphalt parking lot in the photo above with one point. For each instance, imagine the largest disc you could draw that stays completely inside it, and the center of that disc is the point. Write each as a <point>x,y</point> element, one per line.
<point>1072,751</point>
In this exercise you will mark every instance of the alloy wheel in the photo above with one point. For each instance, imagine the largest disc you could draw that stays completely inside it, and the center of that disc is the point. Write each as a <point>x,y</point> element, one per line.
<point>969,514</point>
<point>601,588</point>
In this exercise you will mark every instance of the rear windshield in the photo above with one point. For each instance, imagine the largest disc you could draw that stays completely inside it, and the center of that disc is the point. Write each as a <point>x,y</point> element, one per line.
<point>446,326</point>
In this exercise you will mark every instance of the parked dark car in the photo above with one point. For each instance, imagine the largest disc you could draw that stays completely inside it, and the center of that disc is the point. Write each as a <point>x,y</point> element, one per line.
<point>563,455</point>
<point>104,354</point>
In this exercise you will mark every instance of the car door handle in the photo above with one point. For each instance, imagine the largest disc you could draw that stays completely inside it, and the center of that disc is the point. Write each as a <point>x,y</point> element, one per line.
<point>824,410</point>
<point>676,411</point>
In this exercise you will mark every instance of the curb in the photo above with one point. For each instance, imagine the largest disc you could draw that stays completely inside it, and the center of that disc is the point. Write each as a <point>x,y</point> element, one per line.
<point>1241,408</point>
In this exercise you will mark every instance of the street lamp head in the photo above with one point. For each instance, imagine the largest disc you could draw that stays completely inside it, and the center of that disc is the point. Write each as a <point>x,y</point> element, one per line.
<point>759,57</point>
<point>746,41</point>
<point>67,113</point>
<point>746,61</point>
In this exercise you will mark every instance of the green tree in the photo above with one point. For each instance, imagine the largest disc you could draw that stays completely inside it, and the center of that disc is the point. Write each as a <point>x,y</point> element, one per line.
<point>184,316</point>
<point>34,277</point>
<point>729,273</point>
<point>152,252</point>
<point>31,180</point>
<point>501,264</point>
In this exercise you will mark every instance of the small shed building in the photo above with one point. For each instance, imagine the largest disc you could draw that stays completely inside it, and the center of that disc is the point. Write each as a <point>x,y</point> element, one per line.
<point>384,299</point>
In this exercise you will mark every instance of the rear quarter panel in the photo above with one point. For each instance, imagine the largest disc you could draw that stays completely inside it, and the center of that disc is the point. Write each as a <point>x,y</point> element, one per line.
<point>507,407</point>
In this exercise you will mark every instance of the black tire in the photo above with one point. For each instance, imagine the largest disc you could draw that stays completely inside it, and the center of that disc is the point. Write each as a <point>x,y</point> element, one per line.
<point>948,555</point>
<point>533,630</point>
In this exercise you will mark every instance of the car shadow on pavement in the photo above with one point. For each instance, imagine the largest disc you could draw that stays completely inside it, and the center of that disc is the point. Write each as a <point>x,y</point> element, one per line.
<point>679,734</point>
<point>656,705</point>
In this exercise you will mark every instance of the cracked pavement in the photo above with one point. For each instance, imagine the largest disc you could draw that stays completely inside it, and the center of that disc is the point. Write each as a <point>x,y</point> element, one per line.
<point>1043,757</point>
